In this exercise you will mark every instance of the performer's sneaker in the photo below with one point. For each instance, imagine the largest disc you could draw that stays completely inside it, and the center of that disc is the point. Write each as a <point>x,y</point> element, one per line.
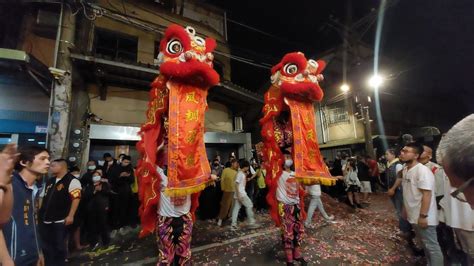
<point>310,226</point>
<point>234,228</point>
<point>219,222</point>
<point>253,226</point>
<point>302,261</point>
<point>330,219</point>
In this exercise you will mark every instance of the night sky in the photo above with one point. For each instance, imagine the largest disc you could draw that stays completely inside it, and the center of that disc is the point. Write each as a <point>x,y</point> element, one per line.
<point>431,43</point>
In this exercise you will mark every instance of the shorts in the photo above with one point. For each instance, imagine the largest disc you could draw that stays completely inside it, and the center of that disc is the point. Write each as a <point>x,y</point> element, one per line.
<point>365,187</point>
<point>353,188</point>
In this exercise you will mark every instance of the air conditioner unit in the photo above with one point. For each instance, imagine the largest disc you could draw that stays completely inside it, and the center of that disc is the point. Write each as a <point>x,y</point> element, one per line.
<point>46,18</point>
<point>238,124</point>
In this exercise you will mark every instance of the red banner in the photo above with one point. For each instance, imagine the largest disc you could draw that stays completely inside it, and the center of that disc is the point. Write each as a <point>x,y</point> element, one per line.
<point>309,164</point>
<point>188,166</point>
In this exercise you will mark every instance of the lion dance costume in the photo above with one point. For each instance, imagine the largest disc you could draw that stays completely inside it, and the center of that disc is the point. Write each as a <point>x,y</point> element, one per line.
<point>289,125</point>
<point>172,138</point>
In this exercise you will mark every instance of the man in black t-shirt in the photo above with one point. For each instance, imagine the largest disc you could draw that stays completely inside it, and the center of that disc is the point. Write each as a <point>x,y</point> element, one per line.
<point>364,178</point>
<point>121,176</point>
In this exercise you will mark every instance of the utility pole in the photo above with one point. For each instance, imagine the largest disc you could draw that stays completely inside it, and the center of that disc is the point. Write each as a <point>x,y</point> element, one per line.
<point>61,94</point>
<point>369,145</point>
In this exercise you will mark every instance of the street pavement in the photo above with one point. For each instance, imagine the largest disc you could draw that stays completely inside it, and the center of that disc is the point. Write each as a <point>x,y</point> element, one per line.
<point>364,236</point>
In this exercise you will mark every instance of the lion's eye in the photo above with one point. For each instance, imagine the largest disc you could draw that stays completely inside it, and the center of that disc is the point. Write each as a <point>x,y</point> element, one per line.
<point>174,47</point>
<point>290,69</point>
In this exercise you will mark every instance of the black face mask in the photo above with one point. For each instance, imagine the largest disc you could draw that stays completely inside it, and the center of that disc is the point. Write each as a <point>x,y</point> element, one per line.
<point>216,164</point>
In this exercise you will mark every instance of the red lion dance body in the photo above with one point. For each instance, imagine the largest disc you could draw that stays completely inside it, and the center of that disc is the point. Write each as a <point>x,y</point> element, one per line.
<point>289,123</point>
<point>175,121</point>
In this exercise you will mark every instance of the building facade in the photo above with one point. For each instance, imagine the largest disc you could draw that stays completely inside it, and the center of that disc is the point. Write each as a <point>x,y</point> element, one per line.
<point>107,50</point>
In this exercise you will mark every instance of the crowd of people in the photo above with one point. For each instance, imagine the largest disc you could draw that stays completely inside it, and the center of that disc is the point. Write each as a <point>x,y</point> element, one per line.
<point>39,217</point>
<point>422,195</point>
<point>65,211</point>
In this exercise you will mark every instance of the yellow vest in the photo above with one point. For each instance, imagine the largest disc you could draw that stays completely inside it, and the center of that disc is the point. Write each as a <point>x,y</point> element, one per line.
<point>134,185</point>
<point>261,178</point>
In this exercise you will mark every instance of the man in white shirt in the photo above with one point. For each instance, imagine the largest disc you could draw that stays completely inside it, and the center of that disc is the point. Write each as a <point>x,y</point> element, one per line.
<point>460,217</point>
<point>287,195</point>
<point>436,169</point>
<point>418,183</point>
<point>315,193</point>
<point>241,198</point>
<point>175,226</point>
<point>456,153</point>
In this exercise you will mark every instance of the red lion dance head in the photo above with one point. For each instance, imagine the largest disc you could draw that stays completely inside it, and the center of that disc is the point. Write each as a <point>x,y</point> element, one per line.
<point>175,121</point>
<point>288,123</point>
<point>187,58</point>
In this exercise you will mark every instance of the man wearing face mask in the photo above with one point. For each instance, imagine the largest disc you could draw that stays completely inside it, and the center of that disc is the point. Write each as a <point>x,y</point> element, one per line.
<point>109,164</point>
<point>241,198</point>
<point>121,177</point>
<point>287,194</point>
<point>228,189</point>
<point>216,167</point>
<point>86,179</point>
<point>97,199</point>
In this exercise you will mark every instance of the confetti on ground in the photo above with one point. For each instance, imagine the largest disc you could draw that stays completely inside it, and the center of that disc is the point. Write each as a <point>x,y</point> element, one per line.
<point>362,236</point>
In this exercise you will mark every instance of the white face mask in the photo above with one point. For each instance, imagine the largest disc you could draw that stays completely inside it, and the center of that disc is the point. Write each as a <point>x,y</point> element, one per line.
<point>96,178</point>
<point>288,162</point>
<point>91,167</point>
<point>77,175</point>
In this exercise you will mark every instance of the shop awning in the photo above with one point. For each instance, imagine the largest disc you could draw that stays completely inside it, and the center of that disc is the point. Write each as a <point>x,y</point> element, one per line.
<point>139,76</point>
<point>18,66</point>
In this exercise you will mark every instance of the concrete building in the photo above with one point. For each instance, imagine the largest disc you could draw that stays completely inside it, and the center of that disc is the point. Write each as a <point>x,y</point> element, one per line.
<point>112,51</point>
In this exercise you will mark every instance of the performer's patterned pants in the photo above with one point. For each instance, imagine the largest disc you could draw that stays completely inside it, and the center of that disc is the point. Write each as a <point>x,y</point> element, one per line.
<point>173,235</point>
<point>291,225</point>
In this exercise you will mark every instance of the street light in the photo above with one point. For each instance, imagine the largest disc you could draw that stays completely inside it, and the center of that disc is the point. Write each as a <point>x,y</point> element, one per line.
<point>345,88</point>
<point>375,81</point>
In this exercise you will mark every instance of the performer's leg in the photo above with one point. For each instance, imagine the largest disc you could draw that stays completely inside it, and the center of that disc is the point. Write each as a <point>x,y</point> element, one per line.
<point>183,247</point>
<point>247,202</point>
<point>320,207</point>
<point>350,197</point>
<point>164,238</point>
<point>298,234</point>
<point>311,208</point>
<point>287,226</point>
<point>235,212</point>
<point>226,204</point>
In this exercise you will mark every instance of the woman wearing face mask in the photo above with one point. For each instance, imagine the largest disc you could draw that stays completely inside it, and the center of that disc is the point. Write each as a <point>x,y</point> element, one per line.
<point>76,172</point>
<point>86,179</point>
<point>97,197</point>
<point>288,197</point>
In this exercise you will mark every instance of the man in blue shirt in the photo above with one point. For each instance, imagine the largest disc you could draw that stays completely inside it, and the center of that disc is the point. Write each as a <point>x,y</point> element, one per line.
<point>20,234</point>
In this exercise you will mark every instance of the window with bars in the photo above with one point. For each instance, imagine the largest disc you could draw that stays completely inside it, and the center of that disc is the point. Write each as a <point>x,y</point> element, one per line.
<point>337,115</point>
<point>116,46</point>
